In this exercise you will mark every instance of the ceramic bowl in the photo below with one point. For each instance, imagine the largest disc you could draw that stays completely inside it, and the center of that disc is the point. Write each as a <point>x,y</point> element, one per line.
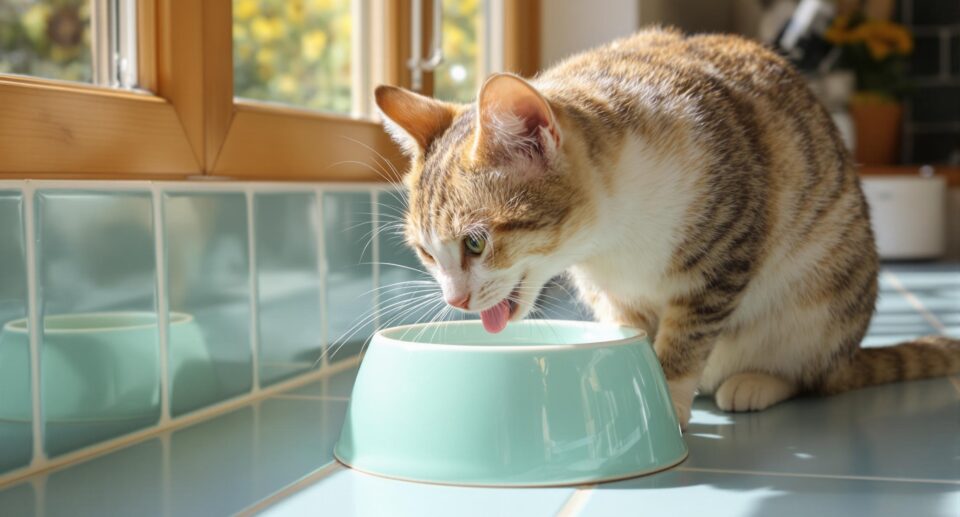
<point>99,366</point>
<point>542,403</point>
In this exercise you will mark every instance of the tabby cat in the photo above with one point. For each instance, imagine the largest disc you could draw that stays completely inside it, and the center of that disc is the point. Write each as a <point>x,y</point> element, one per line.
<point>691,186</point>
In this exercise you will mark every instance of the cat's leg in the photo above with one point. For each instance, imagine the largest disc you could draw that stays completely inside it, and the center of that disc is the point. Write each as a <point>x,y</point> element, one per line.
<point>753,392</point>
<point>685,337</point>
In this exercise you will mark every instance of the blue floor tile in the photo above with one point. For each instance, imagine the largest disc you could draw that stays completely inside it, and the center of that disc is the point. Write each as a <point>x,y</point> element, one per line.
<point>680,493</point>
<point>868,432</point>
<point>347,493</point>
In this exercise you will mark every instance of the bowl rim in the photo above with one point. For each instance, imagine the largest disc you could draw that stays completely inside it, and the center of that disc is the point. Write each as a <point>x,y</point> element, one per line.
<point>381,338</point>
<point>22,325</point>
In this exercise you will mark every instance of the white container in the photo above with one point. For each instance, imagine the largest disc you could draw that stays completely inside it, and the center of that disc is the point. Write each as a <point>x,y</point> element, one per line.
<point>908,214</point>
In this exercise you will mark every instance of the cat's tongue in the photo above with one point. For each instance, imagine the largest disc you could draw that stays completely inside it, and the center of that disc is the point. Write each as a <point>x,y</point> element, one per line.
<point>495,318</point>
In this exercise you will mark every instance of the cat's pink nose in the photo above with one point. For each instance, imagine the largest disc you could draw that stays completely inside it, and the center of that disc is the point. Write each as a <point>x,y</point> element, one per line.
<point>461,302</point>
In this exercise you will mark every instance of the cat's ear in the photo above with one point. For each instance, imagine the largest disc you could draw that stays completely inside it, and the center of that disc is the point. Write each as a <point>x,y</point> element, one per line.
<point>514,118</point>
<point>412,119</point>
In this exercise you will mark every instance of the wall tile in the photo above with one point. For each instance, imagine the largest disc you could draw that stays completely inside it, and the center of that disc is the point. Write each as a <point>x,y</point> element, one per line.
<point>347,223</point>
<point>925,60</point>
<point>936,147</point>
<point>936,104</point>
<point>208,288</point>
<point>955,55</point>
<point>936,12</point>
<point>99,348</point>
<point>16,440</point>
<point>289,284</point>
<point>407,293</point>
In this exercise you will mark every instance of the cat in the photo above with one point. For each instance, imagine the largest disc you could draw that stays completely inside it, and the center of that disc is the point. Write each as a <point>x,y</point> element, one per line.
<point>691,186</point>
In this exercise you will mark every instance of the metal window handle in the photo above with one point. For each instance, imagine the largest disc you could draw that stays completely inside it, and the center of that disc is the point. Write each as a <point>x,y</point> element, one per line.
<point>416,63</point>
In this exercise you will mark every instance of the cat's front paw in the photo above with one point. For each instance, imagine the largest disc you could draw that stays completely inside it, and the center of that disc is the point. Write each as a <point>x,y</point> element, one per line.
<point>682,392</point>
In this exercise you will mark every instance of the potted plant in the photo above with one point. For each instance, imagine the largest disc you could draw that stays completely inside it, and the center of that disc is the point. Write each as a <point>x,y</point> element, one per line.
<point>876,52</point>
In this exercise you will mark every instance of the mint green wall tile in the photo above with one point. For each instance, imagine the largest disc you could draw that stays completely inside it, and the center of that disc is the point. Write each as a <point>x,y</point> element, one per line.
<point>208,281</point>
<point>97,286</point>
<point>288,284</point>
<point>16,440</point>
<point>348,230</point>
<point>407,293</point>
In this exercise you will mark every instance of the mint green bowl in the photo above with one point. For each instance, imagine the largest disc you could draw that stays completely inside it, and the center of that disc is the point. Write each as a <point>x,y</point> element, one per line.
<point>542,403</point>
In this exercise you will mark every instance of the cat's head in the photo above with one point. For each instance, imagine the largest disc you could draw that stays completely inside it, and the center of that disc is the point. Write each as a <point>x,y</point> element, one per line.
<point>493,201</point>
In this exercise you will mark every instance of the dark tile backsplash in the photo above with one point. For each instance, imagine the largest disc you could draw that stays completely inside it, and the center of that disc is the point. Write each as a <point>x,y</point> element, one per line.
<point>940,104</point>
<point>926,56</point>
<point>955,55</point>
<point>935,12</point>
<point>932,127</point>
<point>935,147</point>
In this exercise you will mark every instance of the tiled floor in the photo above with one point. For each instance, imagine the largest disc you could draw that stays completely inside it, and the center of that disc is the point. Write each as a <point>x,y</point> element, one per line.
<point>887,450</point>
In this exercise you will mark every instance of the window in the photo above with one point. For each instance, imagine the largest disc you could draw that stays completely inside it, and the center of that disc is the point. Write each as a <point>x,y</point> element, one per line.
<point>456,78</point>
<point>264,89</point>
<point>91,41</point>
<point>46,38</point>
<point>294,51</point>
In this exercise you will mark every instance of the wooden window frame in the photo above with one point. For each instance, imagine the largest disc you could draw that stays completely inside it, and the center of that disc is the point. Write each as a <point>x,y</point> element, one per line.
<point>192,126</point>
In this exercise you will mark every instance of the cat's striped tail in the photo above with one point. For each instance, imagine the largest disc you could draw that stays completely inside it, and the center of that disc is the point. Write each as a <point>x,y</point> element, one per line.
<point>930,356</point>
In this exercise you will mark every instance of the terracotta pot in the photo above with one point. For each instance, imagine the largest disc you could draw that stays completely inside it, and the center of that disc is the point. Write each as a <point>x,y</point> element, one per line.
<point>877,127</point>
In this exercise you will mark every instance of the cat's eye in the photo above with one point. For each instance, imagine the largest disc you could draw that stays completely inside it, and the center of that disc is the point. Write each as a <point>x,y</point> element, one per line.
<point>474,245</point>
<point>426,256</point>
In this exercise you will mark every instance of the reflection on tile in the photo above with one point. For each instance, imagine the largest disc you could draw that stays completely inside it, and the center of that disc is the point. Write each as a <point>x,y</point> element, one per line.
<point>208,286</point>
<point>407,293</point>
<point>338,385</point>
<point>347,222</point>
<point>288,276</point>
<point>349,493</point>
<point>18,500</point>
<point>862,432</point>
<point>16,414</point>
<point>126,482</point>
<point>96,269</point>
<point>684,493</point>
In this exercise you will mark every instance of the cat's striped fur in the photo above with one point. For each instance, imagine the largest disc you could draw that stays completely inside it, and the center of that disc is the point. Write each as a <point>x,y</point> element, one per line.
<point>690,186</point>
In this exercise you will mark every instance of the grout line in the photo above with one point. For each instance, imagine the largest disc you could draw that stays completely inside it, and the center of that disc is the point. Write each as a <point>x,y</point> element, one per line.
<point>322,269</point>
<point>916,303</point>
<point>33,317</point>
<point>163,303</point>
<point>254,291</point>
<point>256,451</point>
<point>375,257</point>
<point>577,501</point>
<point>180,421</point>
<point>291,489</point>
<point>40,496</point>
<point>166,474</point>
<point>819,476</point>
<point>298,396</point>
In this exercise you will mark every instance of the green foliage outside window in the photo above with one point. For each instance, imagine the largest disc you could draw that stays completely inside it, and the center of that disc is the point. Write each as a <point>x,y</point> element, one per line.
<point>46,38</point>
<point>456,79</point>
<point>293,51</point>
